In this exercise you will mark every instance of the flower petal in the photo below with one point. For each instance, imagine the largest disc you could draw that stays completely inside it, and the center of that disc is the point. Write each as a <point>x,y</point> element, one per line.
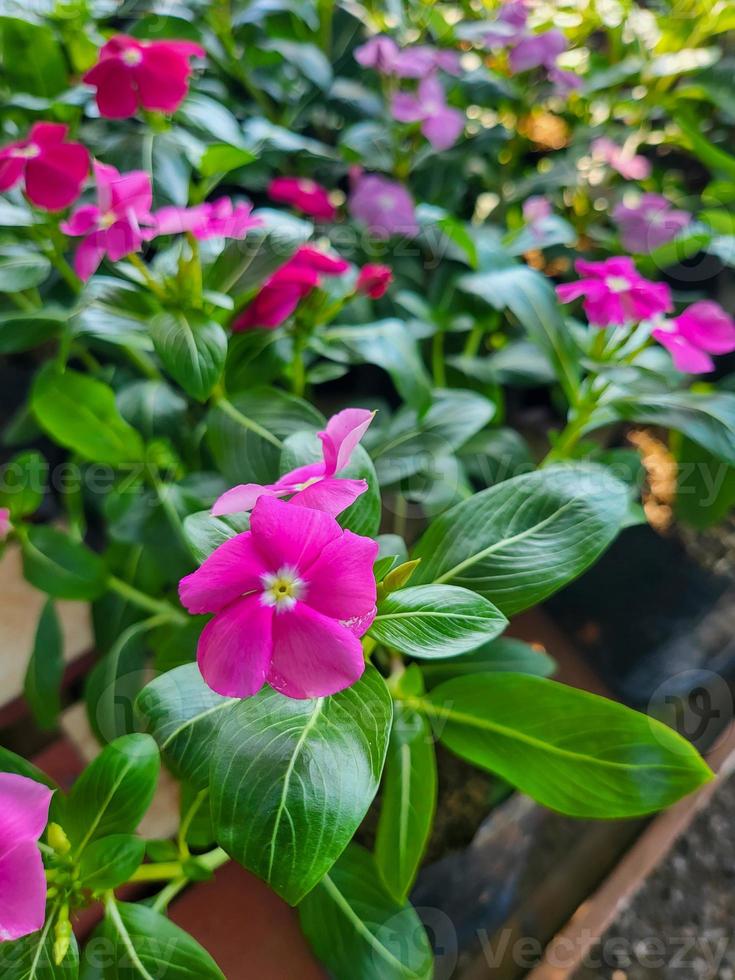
<point>686,357</point>
<point>344,431</point>
<point>89,254</point>
<point>313,656</point>
<point>230,571</point>
<point>22,891</point>
<point>117,97</point>
<point>288,535</point>
<point>54,179</point>
<point>331,495</point>
<point>243,497</point>
<point>24,807</point>
<point>234,652</point>
<point>341,583</point>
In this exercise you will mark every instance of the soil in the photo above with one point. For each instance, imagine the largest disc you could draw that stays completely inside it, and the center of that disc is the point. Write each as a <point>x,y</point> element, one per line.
<point>680,925</point>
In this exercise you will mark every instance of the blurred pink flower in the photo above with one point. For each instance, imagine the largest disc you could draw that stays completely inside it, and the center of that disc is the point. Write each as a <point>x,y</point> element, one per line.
<point>315,485</point>
<point>116,225</point>
<point>53,169</point>
<point>440,124</point>
<point>24,806</point>
<point>305,195</point>
<point>509,26</point>
<point>282,293</point>
<point>133,74</point>
<point>4,523</point>
<point>374,280</point>
<point>216,219</point>
<point>615,293</point>
<point>537,50</point>
<point>650,222</point>
<point>564,81</point>
<point>287,596</point>
<point>535,209</point>
<point>702,329</point>
<point>628,164</point>
<point>383,54</point>
<point>384,206</point>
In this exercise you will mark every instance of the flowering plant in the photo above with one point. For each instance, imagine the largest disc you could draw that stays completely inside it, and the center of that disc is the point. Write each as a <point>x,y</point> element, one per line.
<point>275,285</point>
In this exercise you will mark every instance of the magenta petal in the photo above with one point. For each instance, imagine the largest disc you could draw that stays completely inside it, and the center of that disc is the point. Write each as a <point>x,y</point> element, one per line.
<point>313,656</point>
<point>89,254</point>
<point>24,807</point>
<point>117,97</point>
<point>243,497</point>
<point>341,583</point>
<point>443,129</point>
<point>121,239</point>
<point>22,891</point>
<point>332,495</point>
<point>11,171</point>
<point>131,191</point>
<point>686,357</point>
<point>234,652</point>
<point>406,108</point>
<point>230,571</point>
<point>288,535</point>
<point>54,179</point>
<point>81,221</point>
<point>344,431</point>
<point>163,81</point>
<point>705,324</point>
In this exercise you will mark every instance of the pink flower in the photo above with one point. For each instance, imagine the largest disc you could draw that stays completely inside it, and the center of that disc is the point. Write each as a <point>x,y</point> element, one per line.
<point>627,163</point>
<point>384,206</point>
<point>509,25</point>
<point>133,74</point>
<point>305,195</point>
<point>24,807</point>
<point>374,280</point>
<point>535,209</point>
<point>4,523</point>
<point>701,330</point>
<point>112,227</point>
<point>564,81</point>
<point>288,596</point>
<point>537,50</point>
<point>615,293</point>
<point>379,52</point>
<point>440,124</point>
<point>216,219</point>
<point>315,485</point>
<point>282,293</point>
<point>649,223</point>
<point>53,170</point>
<point>383,54</point>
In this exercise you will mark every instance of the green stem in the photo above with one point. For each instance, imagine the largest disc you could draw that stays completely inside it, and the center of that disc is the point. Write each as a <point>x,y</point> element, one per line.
<point>22,302</point>
<point>474,339</point>
<point>438,369</point>
<point>147,602</point>
<point>143,362</point>
<point>164,497</point>
<point>65,270</point>
<point>163,871</point>
<point>187,822</point>
<point>237,416</point>
<point>326,12</point>
<point>155,287</point>
<point>298,371</point>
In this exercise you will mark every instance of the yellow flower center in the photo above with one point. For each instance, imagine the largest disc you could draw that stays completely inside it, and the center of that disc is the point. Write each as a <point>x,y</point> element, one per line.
<point>282,589</point>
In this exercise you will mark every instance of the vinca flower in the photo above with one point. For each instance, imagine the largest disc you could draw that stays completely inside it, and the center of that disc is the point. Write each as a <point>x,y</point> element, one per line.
<point>315,485</point>
<point>384,206</point>
<point>24,806</point>
<point>615,293</point>
<point>628,164</point>
<point>701,330</point>
<point>116,225</point>
<point>53,170</point>
<point>440,123</point>
<point>537,51</point>
<point>216,219</point>
<point>4,523</point>
<point>383,54</point>
<point>305,195</point>
<point>282,293</point>
<point>132,74</point>
<point>509,27</point>
<point>374,280</point>
<point>648,223</point>
<point>290,597</point>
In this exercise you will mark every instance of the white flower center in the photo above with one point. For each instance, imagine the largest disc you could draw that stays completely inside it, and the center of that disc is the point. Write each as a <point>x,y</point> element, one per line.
<point>306,185</point>
<point>132,56</point>
<point>385,201</point>
<point>617,284</point>
<point>106,220</point>
<point>282,589</point>
<point>26,152</point>
<point>308,483</point>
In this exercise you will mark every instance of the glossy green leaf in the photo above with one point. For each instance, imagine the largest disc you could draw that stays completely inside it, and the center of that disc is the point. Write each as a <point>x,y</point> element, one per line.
<point>111,861</point>
<point>570,750</point>
<point>520,541</point>
<point>24,331</point>
<point>505,654</point>
<point>705,492</point>
<point>61,566</point>
<point>205,533</point>
<point>358,930</point>
<point>220,158</point>
<point>193,350</point>
<point>32,58</point>
<point>45,669</point>
<point>270,809</point>
<point>436,621</point>
<point>32,958</point>
<point>21,268</point>
<point>23,481</point>
<point>153,407</point>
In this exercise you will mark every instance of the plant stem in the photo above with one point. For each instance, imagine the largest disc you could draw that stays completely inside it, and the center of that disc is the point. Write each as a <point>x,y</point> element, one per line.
<point>298,373</point>
<point>65,270</point>
<point>474,339</point>
<point>326,12</point>
<point>164,497</point>
<point>163,871</point>
<point>143,601</point>
<point>438,369</point>
<point>143,362</point>
<point>237,416</point>
<point>135,260</point>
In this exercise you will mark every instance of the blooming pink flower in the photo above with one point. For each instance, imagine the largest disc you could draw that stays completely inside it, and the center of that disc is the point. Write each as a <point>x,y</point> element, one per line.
<point>384,206</point>
<point>537,50</point>
<point>650,222</point>
<point>509,25</point>
<point>440,124</point>
<point>24,806</point>
<point>53,170</point>
<point>4,523</point>
<point>374,280</point>
<point>383,54</point>
<point>315,485</point>
<point>535,209</point>
<point>216,219</point>
<point>628,164</point>
<point>133,74</point>
<point>305,195</point>
<point>564,81</point>
<point>615,292</point>
<point>702,329</point>
<point>288,597</point>
<point>111,227</point>
<point>282,293</point>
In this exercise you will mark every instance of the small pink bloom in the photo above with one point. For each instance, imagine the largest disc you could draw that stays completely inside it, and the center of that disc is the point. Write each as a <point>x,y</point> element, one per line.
<point>379,53</point>
<point>115,226</point>
<point>374,280</point>
<point>383,54</point>
<point>283,594</point>
<point>133,74</point>
<point>564,81</point>
<point>282,293</point>
<point>305,195</point>
<point>24,806</point>
<point>537,50</point>
<point>53,170</point>
<point>4,523</point>
<point>384,206</point>
<point>628,164</point>
<point>216,219</point>
<point>701,330</point>
<point>509,26</point>
<point>649,223</point>
<point>440,124</point>
<point>615,293</point>
<point>315,485</point>
<point>535,209</point>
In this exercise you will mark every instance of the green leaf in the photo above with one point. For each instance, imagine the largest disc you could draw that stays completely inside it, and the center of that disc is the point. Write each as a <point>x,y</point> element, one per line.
<point>408,801</point>
<point>358,930</point>
<point>21,268</point>
<point>111,861</point>
<point>60,566</point>
<point>520,541</point>
<point>193,349</point>
<point>270,810</point>
<point>114,791</point>
<point>205,533</point>
<point>10,762</point>
<point>153,407</point>
<point>570,750</point>
<point>428,621</point>
<point>505,654</point>
<point>45,669</point>
<point>114,682</point>
<point>24,331</point>
<point>32,958</point>
<point>221,158</point>
<point>80,414</point>
<point>705,492</point>
<point>147,945</point>
<point>22,483</point>
<point>32,58</point>
<point>184,716</point>
<point>711,156</point>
